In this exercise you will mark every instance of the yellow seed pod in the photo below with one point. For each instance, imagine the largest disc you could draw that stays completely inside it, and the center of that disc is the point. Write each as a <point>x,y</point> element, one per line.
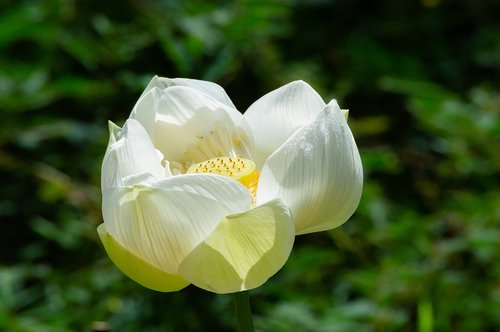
<point>240,169</point>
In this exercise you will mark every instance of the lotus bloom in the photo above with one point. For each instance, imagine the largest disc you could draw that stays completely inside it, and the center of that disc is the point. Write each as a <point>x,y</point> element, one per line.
<point>195,192</point>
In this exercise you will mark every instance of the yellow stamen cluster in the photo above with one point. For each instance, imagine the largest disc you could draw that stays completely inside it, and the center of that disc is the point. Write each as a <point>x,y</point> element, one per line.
<point>240,169</point>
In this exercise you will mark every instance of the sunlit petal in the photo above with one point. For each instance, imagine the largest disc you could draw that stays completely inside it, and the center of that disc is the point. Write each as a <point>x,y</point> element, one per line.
<point>243,251</point>
<point>212,89</point>
<point>275,116</point>
<point>138,269</point>
<point>162,221</point>
<point>148,105</point>
<point>317,172</point>
<point>192,127</point>
<point>145,110</point>
<point>130,151</point>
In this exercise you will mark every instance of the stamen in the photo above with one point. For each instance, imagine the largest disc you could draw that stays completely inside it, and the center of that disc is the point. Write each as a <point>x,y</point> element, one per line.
<point>240,169</point>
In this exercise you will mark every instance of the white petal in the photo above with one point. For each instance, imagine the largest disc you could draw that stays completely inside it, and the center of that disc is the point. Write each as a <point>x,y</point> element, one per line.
<point>229,193</point>
<point>275,116</point>
<point>317,172</point>
<point>244,250</point>
<point>147,106</point>
<point>157,82</point>
<point>160,83</point>
<point>130,151</point>
<point>212,89</point>
<point>162,221</point>
<point>192,127</point>
<point>145,110</point>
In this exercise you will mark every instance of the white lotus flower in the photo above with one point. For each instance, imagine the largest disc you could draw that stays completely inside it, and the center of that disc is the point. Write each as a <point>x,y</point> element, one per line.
<point>195,192</point>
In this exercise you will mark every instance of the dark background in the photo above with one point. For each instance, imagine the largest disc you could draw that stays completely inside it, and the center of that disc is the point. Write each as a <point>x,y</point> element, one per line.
<point>421,80</point>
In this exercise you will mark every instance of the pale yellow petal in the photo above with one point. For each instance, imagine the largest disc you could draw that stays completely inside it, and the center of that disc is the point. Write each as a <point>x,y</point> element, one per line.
<point>137,269</point>
<point>244,251</point>
<point>162,221</point>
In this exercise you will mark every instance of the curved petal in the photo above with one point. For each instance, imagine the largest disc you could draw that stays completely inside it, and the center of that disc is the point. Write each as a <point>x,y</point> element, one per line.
<point>192,127</point>
<point>144,110</point>
<point>276,115</point>
<point>162,221</point>
<point>231,194</point>
<point>212,89</point>
<point>130,151</point>
<point>148,105</point>
<point>317,172</point>
<point>138,269</point>
<point>243,251</point>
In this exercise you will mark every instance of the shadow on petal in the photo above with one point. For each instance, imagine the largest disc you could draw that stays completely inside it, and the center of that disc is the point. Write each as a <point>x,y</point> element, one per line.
<point>244,251</point>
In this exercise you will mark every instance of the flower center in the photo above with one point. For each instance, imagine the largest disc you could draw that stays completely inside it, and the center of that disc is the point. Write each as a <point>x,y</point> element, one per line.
<point>240,169</point>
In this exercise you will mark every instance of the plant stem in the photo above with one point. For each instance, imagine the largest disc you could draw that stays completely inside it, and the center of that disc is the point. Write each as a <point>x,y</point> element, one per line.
<point>241,302</point>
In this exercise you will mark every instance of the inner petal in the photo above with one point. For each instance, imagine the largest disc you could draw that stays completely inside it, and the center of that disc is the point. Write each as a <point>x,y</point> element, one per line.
<point>190,126</point>
<point>220,140</point>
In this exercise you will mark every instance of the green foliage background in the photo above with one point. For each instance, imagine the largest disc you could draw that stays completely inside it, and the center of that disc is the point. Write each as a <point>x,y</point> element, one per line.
<point>421,80</point>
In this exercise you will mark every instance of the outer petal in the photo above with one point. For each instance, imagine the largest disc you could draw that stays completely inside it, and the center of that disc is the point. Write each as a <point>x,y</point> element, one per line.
<point>243,251</point>
<point>317,172</point>
<point>145,110</point>
<point>130,151</point>
<point>162,221</point>
<point>212,89</point>
<point>274,117</point>
<point>190,126</point>
<point>138,269</point>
